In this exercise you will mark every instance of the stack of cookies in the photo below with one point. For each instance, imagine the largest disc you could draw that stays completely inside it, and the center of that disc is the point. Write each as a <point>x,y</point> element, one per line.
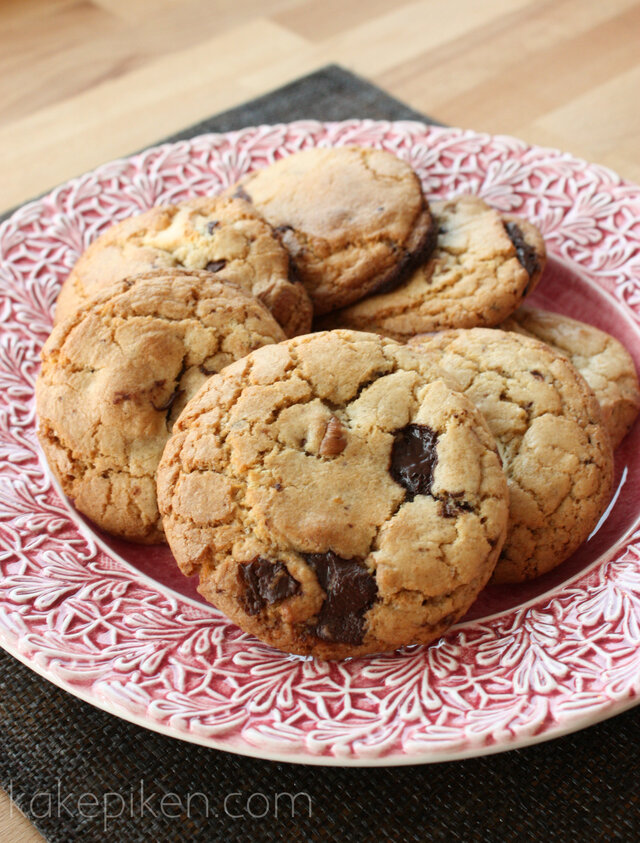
<point>321,390</point>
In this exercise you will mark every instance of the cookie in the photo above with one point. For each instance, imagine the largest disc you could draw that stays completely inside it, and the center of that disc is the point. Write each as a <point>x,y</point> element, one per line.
<point>220,235</point>
<point>555,449</point>
<point>335,495</point>
<point>602,361</point>
<point>484,264</point>
<point>115,376</point>
<point>354,220</point>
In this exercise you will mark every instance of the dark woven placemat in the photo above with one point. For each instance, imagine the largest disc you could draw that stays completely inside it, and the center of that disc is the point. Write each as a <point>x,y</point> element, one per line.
<point>82,775</point>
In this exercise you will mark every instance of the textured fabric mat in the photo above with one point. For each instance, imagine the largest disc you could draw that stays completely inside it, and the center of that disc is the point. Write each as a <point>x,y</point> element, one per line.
<point>81,774</point>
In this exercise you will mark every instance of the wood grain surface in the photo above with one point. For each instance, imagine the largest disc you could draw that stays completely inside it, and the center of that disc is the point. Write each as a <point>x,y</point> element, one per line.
<point>84,81</point>
<point>14,827</point>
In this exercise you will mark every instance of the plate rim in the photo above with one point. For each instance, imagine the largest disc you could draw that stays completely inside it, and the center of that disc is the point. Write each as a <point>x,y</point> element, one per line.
<point>303,756</point>
<point>313,760</point>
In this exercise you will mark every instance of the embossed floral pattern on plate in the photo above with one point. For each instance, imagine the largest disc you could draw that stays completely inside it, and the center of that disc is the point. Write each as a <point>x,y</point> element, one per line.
<point>117,628</point>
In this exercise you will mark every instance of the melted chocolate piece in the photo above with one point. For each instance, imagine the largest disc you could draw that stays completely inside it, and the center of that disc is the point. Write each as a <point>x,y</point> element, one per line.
<point>351,591</point>
<point>266,583</point>
<point>407,263</point>
<point>215,266</point>
<point>525,252</point>
<point>168,404</point>
<point>292,274</point>
<point>241,193</point>
<point>212,225</point>
<point>537,375</point>
<point>451,506</point>
<point>413,459</point>
<point>119,397</point>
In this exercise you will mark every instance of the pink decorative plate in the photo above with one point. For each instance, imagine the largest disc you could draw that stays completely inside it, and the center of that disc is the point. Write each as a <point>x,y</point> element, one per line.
<point>116,625</point>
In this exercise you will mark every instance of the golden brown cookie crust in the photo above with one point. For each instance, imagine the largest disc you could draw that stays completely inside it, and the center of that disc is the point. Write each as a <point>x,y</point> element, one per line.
<point>476,275</point>
<point>116,374</point>
<point>555,449</point>
<point>217,234</point>
<point>603,362</point>
<point>354,220</point>
<point>279,487</point>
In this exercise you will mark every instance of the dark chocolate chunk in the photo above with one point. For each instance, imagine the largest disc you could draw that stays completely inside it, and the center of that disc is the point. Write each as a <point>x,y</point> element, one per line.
<point>292,274</point>
<point>168,404</point>
<point>119,397</point>
<point>266,583</point>
<point>452,505</point>
<point>241,193</point>
<point>407,263</point>
<point>212,225</point>
<point>215,266</point>
<point>413,459</point>
<point>525,252</point>
<point>351,591</point>
<point>537,375</point>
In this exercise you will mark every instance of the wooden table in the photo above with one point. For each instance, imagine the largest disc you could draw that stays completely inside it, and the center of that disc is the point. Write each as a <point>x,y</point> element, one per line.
<point>84,81</point>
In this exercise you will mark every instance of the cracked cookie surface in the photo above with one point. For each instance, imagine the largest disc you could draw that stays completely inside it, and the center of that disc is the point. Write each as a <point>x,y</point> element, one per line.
<point>354,220</point>
<point>335,496</point>
<point>603,362</point>
<point>115,376</point>
<point>217,234</point>
<point>555,449</point>
<point>482,267</point>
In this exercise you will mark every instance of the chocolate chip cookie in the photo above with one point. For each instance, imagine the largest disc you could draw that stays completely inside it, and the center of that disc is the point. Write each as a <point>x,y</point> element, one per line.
<point>220,235</point>
<point>483,266</point>
<point>354,220</point>
<point>335,496</point>
<point>115,376</point>
<point>555,449</point>
<point>602,361</point>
